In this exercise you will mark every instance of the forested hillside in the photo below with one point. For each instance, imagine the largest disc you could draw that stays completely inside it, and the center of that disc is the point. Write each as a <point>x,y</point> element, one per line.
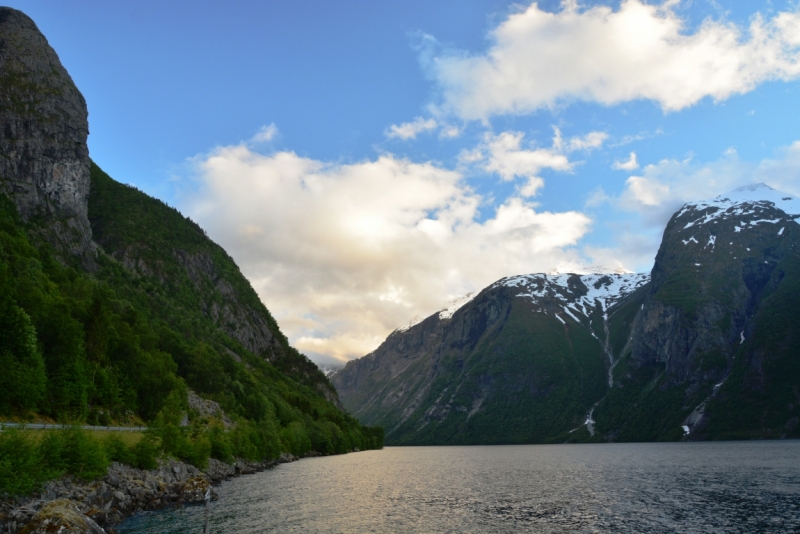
<point>113,306</point>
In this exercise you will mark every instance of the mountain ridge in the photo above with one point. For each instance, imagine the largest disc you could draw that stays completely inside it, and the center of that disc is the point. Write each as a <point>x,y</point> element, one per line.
<point>667,343</point>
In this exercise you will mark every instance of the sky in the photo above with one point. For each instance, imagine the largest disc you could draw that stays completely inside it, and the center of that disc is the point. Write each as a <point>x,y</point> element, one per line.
<point>366,163</point>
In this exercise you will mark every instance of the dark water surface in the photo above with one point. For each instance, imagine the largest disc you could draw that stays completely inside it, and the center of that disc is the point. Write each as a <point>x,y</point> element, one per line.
<point>633,487</point>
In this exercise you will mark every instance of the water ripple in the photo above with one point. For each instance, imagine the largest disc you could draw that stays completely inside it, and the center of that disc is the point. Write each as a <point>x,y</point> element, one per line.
<point>644,487</point>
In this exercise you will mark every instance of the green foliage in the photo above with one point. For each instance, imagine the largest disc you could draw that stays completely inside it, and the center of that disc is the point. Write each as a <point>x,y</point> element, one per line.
<point>21,466</point>
<point>23,381</point>
<point>681,290</point>
<point>122,344</point>
<point>221,446</point>
<point>82,455</point>
<point>548,377</point>
<point>117,450</point>
<point>145,452</point>
<point>295,439</point>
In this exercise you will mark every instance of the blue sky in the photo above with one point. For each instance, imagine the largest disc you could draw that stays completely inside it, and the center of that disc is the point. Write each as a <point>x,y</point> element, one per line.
<point>367,162</point>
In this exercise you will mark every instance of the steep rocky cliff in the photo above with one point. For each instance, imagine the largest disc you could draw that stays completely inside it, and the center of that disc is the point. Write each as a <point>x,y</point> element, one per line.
<point>723,267</point>
<point>523,361</point>
<point>44,163</point>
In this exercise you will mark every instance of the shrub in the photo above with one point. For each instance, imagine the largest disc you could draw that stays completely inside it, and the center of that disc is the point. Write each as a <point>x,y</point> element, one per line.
<point>75,452</point>
<point>117,451</point>
<point>221,447</point>
<point>145,452</point>
<point>20,463</point>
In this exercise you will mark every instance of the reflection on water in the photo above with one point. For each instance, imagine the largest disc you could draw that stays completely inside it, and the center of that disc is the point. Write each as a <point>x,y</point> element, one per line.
<point>642,487</point>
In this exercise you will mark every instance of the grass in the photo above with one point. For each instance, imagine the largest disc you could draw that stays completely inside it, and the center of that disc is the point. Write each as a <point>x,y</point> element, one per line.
<point>128,438</point>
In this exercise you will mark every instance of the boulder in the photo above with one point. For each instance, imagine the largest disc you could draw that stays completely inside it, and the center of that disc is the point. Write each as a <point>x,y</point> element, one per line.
<point>61,516</point>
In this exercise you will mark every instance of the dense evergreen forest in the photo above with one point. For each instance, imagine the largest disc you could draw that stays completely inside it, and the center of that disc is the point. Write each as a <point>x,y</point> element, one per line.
<point>123,344</point>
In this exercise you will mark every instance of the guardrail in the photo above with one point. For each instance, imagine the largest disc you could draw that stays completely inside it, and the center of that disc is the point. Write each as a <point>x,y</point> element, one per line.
<point>48,426</point>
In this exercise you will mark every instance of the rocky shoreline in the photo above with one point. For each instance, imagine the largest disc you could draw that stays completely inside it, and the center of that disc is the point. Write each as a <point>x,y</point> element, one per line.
<point>68,505</point>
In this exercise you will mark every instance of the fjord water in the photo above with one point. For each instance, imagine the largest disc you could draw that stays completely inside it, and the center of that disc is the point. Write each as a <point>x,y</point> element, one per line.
<point>749,486</point>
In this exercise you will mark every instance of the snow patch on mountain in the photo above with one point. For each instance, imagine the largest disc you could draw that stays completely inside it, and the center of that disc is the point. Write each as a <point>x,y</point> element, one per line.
<point>604,289</point>
<point>446,313</point>
<point>748,201</point>
<point>456,305</point>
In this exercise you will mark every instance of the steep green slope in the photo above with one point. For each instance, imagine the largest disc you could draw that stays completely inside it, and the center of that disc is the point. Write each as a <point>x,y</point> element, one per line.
<point>113,305</point>
<point>714,348</point>
<point>110,346</point>
<point>167,264</point>
<point>532,379</point>
<point>523,362</point>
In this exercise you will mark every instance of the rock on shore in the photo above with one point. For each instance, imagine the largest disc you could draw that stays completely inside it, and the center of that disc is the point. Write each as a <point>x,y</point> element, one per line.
<point>68,505</point>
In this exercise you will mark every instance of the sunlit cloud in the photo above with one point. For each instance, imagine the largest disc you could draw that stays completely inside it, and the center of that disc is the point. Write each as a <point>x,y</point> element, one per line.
<point>342,254</point>
<point>505,155</point>
<point>538,59</point>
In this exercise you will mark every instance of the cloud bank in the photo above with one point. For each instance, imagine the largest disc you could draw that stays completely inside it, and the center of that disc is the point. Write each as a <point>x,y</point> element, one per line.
<point>342,254</point>
<point>640,51</point>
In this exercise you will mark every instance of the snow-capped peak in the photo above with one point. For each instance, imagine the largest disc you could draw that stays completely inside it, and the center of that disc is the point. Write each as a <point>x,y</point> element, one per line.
<point>748,200</point>
<point>762,192</point>
<point>589,269</point>
<point>605,289</point>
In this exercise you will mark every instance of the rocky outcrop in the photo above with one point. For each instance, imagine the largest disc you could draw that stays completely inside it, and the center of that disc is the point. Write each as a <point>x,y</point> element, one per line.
<point>44,159</point>
<point>61,516</point>
<point>206,407</point>
<point>241,322</point>
<point>123,492</point>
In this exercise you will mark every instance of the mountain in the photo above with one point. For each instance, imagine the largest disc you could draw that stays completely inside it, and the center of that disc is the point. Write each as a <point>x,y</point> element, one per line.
<point>706,347</point>
<point>114,307</point>
<point>523,361</point>
<point>714,349</point>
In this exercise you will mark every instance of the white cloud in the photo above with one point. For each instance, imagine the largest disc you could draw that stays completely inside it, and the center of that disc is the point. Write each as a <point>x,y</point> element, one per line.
<point>410,130</point>
<point>265,134</point>
<point>639,51</point>
<point>504,155</point>
<point>342,254</point>
<point>449,132</point>
<point>588,142</point>
<point>629,165</point>
<point>659,190</point>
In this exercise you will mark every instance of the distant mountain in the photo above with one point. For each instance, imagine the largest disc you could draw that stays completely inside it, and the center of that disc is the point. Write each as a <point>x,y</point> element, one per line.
<point>523,361</point>
<point>705,348</point>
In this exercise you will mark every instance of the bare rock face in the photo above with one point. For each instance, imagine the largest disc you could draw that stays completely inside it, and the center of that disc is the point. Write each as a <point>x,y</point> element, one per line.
<point>206,407</point>
<point>44,159</point>
<point>716,261</point>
